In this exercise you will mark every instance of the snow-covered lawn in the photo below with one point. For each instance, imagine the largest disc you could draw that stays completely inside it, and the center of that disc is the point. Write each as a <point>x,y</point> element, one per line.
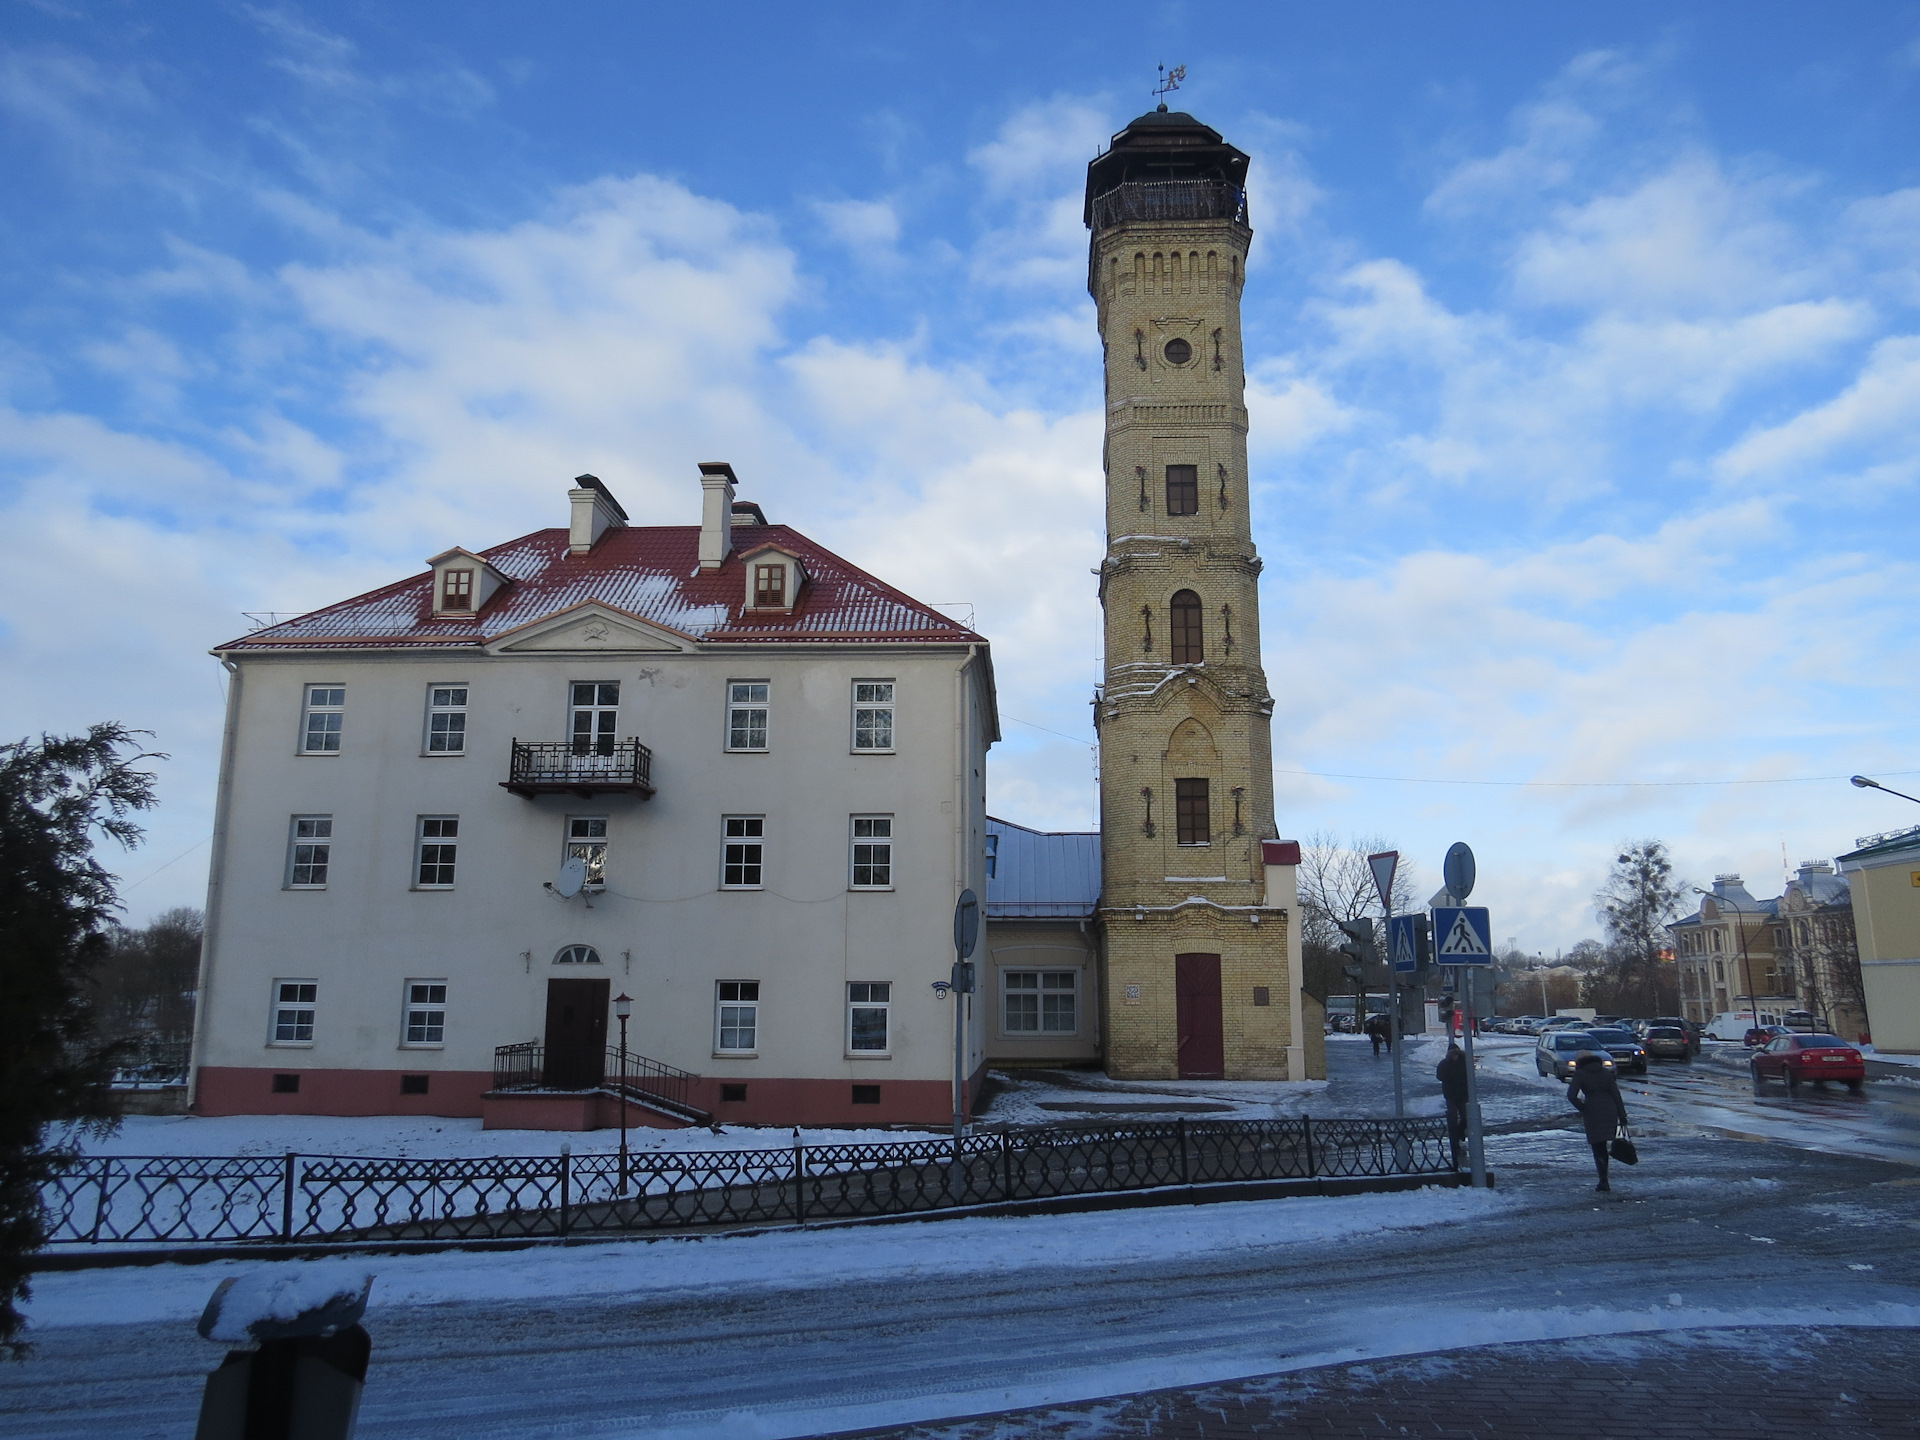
<point>429,1137</point>
<point>903,1253</point>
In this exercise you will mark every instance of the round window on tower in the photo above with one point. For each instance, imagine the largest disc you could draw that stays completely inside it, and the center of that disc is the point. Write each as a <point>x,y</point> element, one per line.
<point>1177,351</point>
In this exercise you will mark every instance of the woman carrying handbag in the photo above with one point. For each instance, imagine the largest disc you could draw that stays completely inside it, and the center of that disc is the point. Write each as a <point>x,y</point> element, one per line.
<point>1594,1094</point>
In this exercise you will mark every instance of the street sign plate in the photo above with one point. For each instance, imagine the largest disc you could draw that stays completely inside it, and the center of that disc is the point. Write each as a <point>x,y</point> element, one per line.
<point>1403,942</point>
<point>1462,935</point>
<point>1383,865</point>
<point>1458,870</point>
<point>966,923</point>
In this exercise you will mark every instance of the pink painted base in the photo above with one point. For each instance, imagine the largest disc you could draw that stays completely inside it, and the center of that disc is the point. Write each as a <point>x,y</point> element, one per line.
<point>236,1090</point>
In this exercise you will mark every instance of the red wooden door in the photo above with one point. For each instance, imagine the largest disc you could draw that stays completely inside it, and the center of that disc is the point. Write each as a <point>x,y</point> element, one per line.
<point>1196,990</point>
<point>576,1034</point>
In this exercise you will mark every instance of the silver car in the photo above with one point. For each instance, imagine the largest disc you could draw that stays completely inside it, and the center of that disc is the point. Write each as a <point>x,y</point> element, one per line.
<point>1559,1049</point>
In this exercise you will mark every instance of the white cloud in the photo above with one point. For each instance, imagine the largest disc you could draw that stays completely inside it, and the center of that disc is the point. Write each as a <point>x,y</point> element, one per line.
<point>862,225</point>
<point>1873,425</point>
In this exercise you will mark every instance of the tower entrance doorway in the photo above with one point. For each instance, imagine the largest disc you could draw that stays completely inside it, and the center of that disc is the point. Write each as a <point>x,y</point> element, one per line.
<point>1196,989</point>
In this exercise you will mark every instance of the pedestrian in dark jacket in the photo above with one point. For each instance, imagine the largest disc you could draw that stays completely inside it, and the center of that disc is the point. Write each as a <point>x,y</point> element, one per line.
<point>1594,1094</point>
<point>1451,1072</point>
<point>1380,1031</point>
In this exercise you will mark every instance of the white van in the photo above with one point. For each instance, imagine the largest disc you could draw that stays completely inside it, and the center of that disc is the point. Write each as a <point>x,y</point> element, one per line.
<point>1733,1024</point>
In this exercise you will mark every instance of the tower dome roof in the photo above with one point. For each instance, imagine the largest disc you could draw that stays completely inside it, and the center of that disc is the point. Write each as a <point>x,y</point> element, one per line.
<point>1159,146</point>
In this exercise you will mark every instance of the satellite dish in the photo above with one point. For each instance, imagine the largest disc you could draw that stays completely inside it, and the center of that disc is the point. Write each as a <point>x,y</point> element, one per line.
<point>573,875</point>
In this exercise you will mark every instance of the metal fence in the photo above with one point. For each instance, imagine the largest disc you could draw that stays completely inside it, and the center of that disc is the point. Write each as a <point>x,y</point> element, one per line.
<point>335,1199</point>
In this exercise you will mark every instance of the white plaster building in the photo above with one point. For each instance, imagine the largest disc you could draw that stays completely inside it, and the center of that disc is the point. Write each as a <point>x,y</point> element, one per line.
<point>770,765</point>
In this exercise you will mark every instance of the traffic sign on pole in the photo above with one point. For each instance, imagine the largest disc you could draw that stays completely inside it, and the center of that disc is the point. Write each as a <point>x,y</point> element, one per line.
<point>1458,871</point>
<point>1383,865</point>
<point>1403,933</point>
<point>1462,935</point>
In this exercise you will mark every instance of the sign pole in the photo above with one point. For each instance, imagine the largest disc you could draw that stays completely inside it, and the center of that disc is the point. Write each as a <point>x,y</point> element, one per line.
<point>1476,1150</point>
<point>966,934</point>
<point>1383,866</point>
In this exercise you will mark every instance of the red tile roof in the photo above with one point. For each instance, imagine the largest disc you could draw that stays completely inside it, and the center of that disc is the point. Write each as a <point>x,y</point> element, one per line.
<point>651,572</point>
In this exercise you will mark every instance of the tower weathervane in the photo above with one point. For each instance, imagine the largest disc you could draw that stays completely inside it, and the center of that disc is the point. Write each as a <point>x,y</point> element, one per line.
<point>1169,82</point>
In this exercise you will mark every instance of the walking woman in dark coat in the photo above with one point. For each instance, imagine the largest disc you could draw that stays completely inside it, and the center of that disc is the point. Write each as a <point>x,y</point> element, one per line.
<point>1594,1094</point>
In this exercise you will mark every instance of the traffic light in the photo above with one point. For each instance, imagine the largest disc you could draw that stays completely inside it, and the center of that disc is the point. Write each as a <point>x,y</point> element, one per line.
<point>1359,935</point>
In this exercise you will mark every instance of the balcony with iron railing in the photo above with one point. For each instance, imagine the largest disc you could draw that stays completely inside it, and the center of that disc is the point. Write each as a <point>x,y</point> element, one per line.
<point>1169,200</point>
<point>582,767</point>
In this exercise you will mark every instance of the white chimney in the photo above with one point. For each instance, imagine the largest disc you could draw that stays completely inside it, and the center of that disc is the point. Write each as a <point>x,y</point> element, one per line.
<point>716,513</point>
<point>595,512</point>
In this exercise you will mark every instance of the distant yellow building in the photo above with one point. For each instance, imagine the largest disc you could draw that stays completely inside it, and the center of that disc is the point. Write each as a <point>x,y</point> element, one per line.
<point>1885,875</point>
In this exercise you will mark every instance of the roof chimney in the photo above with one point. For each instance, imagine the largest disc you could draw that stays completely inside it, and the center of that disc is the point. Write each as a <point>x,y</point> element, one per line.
<point>716,513</point>
<point>595,512</point>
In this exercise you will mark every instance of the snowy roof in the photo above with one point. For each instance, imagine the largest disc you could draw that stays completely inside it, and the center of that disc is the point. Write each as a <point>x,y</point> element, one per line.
<point>1042,874</point>
<point>651,572</point>
<point>1885,845</point>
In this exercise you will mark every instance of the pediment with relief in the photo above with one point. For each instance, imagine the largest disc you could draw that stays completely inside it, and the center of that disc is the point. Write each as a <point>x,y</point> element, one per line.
<point>589,630</point>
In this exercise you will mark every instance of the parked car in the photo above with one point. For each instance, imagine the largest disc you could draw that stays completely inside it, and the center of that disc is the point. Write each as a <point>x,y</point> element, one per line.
<point>1680,1023</point>
<point>1623,1045</point>
<point>1764,1034</point>
<point>1799,1059</point>
<point>1666,1042</point>
<point>1559,1049</point>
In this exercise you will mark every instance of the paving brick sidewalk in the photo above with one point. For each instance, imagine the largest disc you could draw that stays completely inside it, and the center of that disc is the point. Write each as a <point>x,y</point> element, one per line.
<point>1744,1384</point>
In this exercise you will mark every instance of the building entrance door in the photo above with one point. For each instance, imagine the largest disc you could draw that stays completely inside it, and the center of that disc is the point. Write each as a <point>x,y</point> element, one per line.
<point>576,1034</point>
<point>1196,990</point>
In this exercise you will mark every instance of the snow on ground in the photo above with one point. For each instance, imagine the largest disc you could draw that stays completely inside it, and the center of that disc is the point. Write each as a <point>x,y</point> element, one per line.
<point>728,1264</point>
<point>428,1136</point>
<point>1067,1097</point>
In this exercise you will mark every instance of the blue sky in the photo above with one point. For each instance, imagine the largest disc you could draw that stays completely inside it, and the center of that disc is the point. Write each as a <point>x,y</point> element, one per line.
<point>1584,351</point>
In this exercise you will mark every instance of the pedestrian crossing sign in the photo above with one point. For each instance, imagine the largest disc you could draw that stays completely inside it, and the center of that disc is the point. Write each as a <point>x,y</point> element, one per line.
<point>1403,942</point>
<point>1462,935</point>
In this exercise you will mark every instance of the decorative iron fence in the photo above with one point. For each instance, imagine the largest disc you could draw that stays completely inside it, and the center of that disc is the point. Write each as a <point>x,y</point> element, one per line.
<point>154,1062</point>
<point>1170,200</point>
<point>330,1199</point>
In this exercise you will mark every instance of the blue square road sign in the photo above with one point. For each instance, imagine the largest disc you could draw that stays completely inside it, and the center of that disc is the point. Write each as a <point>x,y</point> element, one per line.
<point>1462,935</point>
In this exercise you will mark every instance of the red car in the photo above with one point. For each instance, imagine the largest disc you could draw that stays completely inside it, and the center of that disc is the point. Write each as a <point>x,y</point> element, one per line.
<point>1799,1058</point>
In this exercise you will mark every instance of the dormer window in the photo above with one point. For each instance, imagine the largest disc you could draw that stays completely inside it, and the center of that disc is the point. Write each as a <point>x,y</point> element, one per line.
<point>463,583</point>
<point>770,587</point>
<point>772,578</point>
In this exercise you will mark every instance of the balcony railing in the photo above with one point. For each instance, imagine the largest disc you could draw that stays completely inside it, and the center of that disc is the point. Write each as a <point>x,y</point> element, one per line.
<point>1170,200</point>
<point>580,767</point>
<point>650,1082</point>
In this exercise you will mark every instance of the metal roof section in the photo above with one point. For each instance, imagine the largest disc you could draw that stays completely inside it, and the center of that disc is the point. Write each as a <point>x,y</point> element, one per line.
<point>1884,846</point>
<point>1042,874</point>
<point>649,572</point>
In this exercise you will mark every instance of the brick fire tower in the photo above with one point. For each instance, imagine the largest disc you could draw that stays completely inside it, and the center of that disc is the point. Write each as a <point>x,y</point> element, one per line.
<point>1201,978</point>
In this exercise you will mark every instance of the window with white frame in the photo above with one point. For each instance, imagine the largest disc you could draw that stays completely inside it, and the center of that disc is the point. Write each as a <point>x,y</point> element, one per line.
<point>294,1004</point>
<point>737,1017</point>
<point>872,852</point>
<point>446,720</point>
<point>309,852</point>
<point>993,855</point>
<point>436,851</point>
<point>1040,1002</point>
<point>425,1021</point>
<point>873,715</point>
<point>747,714</point>
<point>322,718</point>
<point>743,852</point>
<point>577,955</point>
<point>587,843</point>
<point>868,1002</point>
<point>594,716</point>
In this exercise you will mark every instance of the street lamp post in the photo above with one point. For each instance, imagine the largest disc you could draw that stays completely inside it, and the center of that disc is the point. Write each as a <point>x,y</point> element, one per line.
<point>1865,784</point>
<point>623,1007</point>
<point>1746,962</point>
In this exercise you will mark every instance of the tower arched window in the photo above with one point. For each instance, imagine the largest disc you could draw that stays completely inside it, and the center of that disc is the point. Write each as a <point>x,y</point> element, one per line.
<point>1187,640</point>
